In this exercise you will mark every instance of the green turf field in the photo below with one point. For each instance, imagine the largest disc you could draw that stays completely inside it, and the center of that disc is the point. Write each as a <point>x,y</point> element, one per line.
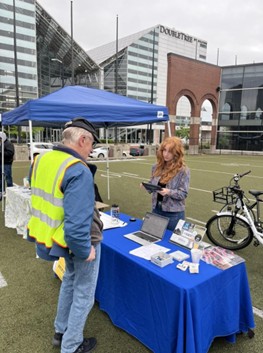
<point>28,302</point>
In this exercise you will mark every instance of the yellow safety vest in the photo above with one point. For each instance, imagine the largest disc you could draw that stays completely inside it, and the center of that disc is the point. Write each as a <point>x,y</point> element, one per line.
<point>46,224</point>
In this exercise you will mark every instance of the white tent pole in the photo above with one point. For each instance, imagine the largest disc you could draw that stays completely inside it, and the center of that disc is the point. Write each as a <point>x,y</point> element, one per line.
<point>169,129</point>
<point>108,167</point>
<point>31,139</point>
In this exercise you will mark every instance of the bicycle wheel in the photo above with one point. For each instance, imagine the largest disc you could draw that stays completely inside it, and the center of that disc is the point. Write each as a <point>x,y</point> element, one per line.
<point>229,232</point>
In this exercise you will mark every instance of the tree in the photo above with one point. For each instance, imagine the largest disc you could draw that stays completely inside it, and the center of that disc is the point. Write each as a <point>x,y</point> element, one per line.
<point>183,132</point>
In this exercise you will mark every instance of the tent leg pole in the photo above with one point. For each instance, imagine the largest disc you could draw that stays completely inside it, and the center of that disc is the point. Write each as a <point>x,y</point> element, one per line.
<point>31,139</point>
<point>108,167</point>
<point>169,129</point>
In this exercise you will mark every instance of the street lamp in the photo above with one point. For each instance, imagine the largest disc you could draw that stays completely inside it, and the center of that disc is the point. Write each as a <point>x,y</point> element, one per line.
<point>61,70</point>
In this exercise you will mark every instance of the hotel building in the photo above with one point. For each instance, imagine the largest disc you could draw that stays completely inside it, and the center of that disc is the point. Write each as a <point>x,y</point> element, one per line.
<point>142,61</point>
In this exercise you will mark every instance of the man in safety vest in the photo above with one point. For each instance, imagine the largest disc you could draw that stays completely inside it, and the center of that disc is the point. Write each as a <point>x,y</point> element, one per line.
<point>64,224</point>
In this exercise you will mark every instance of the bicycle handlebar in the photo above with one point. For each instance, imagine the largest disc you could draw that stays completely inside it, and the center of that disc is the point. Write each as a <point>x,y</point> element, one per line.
<point>239,176</point>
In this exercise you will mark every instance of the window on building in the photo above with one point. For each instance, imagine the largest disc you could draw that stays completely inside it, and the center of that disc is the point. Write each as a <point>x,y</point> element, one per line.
<point>258,114</point>
<point>226,112</point>
<point>243,114</point>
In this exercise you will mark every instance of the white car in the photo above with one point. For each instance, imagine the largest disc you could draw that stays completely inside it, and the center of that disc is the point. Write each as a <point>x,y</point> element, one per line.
<point>39,147</point>
<point>125,153</point>
<point>100,152</point>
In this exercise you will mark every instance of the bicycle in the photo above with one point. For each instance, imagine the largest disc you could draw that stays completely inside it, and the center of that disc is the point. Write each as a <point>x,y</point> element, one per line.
<point>235,227</point>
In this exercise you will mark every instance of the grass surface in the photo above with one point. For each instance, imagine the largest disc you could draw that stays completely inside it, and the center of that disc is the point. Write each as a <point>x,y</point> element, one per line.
<point>28,302</point>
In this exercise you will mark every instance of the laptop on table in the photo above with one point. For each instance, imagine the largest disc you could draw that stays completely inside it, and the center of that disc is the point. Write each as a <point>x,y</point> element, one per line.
<point>152,229</point>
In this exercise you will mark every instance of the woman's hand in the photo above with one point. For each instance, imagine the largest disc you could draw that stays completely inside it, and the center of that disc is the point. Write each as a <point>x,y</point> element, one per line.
<point>164,192</point>
<point>142,187</point>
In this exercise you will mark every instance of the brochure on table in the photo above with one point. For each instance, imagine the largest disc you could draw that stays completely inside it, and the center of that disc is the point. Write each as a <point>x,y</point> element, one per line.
<point>188,234</point>
<point>221,258</point>
<point>147,251</point>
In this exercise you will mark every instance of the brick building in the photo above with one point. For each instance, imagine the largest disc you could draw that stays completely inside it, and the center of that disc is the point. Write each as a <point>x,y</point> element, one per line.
<point>198,81</point>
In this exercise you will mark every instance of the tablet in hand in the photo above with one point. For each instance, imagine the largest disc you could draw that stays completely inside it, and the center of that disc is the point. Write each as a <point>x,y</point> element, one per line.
<point>150,187</point>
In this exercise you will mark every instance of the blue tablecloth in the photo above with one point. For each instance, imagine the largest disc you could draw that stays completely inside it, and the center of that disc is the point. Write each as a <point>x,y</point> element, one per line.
<point>168,310</point>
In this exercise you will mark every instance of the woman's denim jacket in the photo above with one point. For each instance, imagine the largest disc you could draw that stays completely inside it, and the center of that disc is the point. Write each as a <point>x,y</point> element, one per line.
<point>178,185</point>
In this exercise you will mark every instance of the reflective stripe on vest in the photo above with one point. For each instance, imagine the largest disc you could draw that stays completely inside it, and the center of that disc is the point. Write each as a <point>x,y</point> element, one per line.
<point>46,224</point>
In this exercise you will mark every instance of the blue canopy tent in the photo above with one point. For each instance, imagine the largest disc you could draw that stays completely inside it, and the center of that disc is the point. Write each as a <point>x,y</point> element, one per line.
<point>102,108</point>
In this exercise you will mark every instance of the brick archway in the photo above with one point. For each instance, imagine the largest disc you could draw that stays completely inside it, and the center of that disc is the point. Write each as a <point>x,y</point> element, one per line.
<point>197,81</point>
<point>190,95</point>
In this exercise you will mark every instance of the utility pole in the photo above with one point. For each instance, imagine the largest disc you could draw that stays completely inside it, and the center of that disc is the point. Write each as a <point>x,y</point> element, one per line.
<point>116,73</point>
<point>116,59</point>
<point>16,69</point>
<point>149,131</point>
<point>72,45</point>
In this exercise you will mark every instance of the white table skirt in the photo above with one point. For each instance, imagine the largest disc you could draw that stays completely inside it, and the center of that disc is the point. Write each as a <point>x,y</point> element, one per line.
<point>18,209</point>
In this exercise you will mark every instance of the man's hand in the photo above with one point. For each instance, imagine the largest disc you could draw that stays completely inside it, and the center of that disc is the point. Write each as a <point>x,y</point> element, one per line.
<point>92,254</point>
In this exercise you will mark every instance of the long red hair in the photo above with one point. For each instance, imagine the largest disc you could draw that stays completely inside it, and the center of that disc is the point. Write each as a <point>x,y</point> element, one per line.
<point>168,170</point>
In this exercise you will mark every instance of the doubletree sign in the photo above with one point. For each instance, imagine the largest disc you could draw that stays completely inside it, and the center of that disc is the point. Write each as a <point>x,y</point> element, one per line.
<point>179,35</point>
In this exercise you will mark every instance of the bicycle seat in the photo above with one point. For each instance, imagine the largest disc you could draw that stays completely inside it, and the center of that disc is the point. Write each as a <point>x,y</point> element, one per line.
<point>256,192</point>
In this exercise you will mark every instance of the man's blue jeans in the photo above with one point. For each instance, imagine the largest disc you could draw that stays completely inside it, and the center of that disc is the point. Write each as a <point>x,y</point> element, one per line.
<point>8,175</point>
<point>76,299</point>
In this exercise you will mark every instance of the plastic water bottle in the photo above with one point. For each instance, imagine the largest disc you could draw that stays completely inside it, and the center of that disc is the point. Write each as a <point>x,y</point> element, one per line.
<point>115,214</point>
<point>26,182</point>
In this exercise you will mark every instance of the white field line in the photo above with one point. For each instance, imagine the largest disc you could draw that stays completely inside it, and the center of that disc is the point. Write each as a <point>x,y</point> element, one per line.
<point>3,282</point>
<point>123,174</point>
<point>249,165</point>
<point>115,160</point>
<point>130,174</point>
<point>226,173</point>
<point>196,221</point>
<point>258,312</point>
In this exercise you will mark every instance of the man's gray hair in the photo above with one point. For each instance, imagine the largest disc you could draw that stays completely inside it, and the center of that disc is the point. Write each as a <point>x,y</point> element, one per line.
<point>71,135</point>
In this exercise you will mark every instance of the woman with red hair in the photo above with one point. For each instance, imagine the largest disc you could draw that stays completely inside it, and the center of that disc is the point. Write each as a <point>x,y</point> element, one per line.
<point>171,173</point>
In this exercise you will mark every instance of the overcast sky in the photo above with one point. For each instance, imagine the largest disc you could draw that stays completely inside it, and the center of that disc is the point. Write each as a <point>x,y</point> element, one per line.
<point>232,28</point>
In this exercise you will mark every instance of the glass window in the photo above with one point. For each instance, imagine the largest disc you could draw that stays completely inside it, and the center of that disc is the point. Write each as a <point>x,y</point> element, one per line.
<point>258,113</point>
<point>226,112</point>
<point>232,78</point>
<point>253,76</point>
<point>203,45</point>
<point>243,115</point>
<point>249,99</point>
